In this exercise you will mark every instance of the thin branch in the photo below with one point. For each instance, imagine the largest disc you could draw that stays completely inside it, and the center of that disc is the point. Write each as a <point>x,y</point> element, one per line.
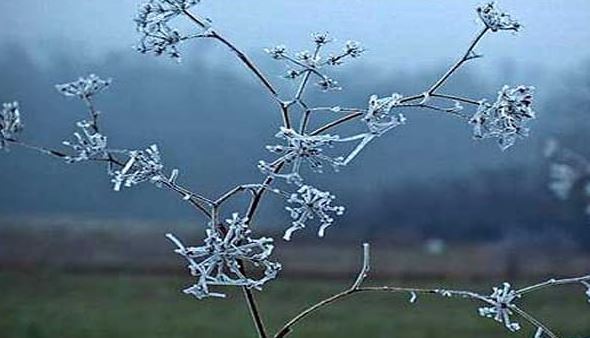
<point>456,98</point>
<point>534,321</point>
<point>366,267</point>
<point>42,150</point>
<point>254,312</point>
<point>246,61</point>
<point>336,123</point>
<point>553,282</point>
<point>194,199</point>
<point>466,57</point>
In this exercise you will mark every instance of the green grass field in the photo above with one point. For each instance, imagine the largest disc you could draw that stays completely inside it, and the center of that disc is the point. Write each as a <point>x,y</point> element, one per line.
<point>93,306</point>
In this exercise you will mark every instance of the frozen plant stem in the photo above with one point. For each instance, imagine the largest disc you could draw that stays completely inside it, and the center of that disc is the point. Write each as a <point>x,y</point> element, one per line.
<point>244,59</point>
<point>357,288</point>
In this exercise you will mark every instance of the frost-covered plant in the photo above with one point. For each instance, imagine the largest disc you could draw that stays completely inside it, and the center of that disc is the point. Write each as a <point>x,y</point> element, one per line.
<point>219,261</point>
<point>495,19</point>
<point>88,144</point>
<point>230,250</point>
<point>569,173</point>
<point>506,118</point>
<point>502,299</point>
<point>10,123</point>
<point>307,203</point>
<point>142,166</point>
<point>301,149</point>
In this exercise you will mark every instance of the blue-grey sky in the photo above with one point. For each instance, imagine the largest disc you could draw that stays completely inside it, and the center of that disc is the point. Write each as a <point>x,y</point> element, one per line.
<point>408,33</point>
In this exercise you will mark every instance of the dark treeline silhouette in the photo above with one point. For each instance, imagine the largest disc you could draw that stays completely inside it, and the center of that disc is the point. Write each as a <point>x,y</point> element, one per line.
<point>428,179</point>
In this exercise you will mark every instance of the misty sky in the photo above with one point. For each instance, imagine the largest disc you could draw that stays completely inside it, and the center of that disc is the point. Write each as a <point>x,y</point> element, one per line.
<point>398,33</point>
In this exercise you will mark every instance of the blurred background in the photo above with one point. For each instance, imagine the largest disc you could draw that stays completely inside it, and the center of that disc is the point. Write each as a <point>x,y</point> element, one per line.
<point>78,259</point>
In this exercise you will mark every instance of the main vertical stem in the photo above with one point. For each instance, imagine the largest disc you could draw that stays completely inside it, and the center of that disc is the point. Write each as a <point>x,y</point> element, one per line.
<point>253,308</point>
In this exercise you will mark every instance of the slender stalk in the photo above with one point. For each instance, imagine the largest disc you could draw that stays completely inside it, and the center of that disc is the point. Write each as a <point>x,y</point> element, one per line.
<point>529,318</point>
<point>456,98</point>
<point>553,282</point>
<point>336,123</point>
<point>194,199</point>
<point>42,150</point>
<point>246,61</point>
<point>357,288</point>
<point>466,57</point>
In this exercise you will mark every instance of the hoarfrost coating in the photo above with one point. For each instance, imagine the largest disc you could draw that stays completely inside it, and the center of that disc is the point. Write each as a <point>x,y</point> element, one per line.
<point>84,88</point>
<point>307,203</point>
<point>87,145</point>
<point>11,124</point>
<point>502,299</point>
<point>507,117</point>
<point>142,166</point>
<point>220,260</point>
<point>495,19</point>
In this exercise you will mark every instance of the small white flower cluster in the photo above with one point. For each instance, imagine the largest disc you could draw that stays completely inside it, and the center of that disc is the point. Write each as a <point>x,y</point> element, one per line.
<point>309,202</point>
<point>84,88</point>
<point>502,299</point>
<point>88,145</point>
<point>569,171</point>
<point>506,118</point>
<point>142,166</point>
<point>10,123</point>
<point>301,148</point>
<point>221,260</point>
<point>311,63</point>
<point>495,19</point>
<point>157,37</point>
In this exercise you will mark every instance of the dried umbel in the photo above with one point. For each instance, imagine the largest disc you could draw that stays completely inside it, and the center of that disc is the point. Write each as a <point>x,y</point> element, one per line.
<point>308,203</point>
<point>502,299</point>
<point>379,117</point>
<point>505,119</point>
<point>153,23</point>
<point>84,88</point>
<point>301,149</point>
<point>495,19</point>
<point>88,145</point>
<point>306,63</point>
<point>142,166</point>
<point>10,123</point>
<point>220,261</point>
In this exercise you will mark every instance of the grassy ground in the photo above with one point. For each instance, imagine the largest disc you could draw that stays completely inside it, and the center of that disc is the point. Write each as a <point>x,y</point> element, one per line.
<point>93,306</point>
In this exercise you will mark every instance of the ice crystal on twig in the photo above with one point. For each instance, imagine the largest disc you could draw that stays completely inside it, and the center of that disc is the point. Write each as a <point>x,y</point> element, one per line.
<point>312,63</point>
<point>299,149</point>
<point>502,299</point>
<point>309,202</point>
<point>142,165</point>
<point>220,260</point>
<point>495,19</point>
<point>379,118</point>
<point>10,123</point>
<point>84,88</point>
<point>88,145</point>
<point>506,118</point>
<point>157,36</point>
